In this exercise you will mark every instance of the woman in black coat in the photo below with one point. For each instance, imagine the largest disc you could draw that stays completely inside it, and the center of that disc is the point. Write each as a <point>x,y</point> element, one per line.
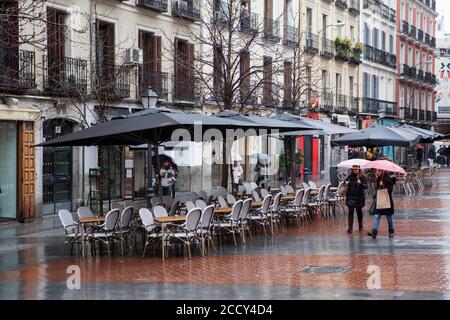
<point>355,199</point>
<point>384,181</point>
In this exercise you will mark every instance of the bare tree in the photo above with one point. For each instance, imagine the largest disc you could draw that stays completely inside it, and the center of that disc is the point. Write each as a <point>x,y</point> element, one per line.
<point>235,65</point>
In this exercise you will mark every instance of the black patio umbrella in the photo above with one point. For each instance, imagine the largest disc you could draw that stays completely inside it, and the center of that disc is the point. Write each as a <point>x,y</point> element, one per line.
<point>428,136</point>
<point>378,136</point>
<point>327,128</point>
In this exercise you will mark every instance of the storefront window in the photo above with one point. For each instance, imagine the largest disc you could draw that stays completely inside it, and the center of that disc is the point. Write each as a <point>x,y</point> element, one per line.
<point>111,159</point>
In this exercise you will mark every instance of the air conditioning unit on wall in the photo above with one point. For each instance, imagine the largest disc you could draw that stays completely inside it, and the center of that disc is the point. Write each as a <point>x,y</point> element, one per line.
<point>135,56</point>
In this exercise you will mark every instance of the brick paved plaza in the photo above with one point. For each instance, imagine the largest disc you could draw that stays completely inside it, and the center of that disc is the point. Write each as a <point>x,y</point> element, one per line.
<point>413,265</point>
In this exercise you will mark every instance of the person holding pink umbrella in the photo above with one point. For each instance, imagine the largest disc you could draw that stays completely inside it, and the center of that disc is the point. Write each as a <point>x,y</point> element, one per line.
<point>355,198</point>
<point>383,204</point>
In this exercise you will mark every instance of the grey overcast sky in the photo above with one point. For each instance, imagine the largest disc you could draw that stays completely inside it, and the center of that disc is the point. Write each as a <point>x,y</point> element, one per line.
<point>443,8</point>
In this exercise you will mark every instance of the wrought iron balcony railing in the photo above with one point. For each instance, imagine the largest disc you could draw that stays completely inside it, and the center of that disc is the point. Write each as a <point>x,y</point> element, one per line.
<point>405,27</point>
<point>112,81</point>
<point>420,35</point>
<point>312,42</point>
<point>327,48</point>
<point>66,76</point>
<point>17,69</point>
<point>184,88</point>
<point>327,101</point>
<point>422,115</point>
<point>341,103</point>
<point>381,9</point>
<point>413,32</point>
<point>353,6</point>
<point>156,80</point>
<point>341,4</point>
<point>156,5</point>
<point>189,10</point>
<point>272,30</point>
<point>290,36</point>
<point>375,106</point>
<point>249,22</point>
<point>354,105</point>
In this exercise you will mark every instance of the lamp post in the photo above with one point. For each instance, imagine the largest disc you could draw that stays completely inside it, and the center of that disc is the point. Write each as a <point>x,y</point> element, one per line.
<point>149,100</point>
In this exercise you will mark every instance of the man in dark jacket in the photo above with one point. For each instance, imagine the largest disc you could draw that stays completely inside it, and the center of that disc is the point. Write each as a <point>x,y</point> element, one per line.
<point>355,199</point>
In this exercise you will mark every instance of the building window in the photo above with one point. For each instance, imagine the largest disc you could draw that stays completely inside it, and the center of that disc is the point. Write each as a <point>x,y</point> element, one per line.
<point>111,158</point>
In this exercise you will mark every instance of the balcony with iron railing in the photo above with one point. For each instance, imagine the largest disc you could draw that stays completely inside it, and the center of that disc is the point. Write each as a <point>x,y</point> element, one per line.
<point>427,38</point>
<point>221,15</point>
<point>376,106</point>
<point>290,36</point>
<point>342,4</point>
<point>157,80</point>
<point>420,75</point>
<point>17,69</point>
<point>353,7</point>
<point>327,101</point>
<point>112,81</point>
<point>249,22</point>
<point>405,71</point>
<point>434,116</point>
<point>413,32</point>
<point>422,115</point>
<point>405,27</point>
<point>420,35</point>
<point>381,9</point>
<point>354,106</point>
<point>66,76</point>
<point>413,73</point>
<point>189,10</point>
<point>414,114</point>
<point>312,42</point>
<point>430,78</point>
<point>184,89</point>
<point>328,1</point>
<point>380,56</point>
<point>156,5</point>
<point>428,116</point>
<point>327,48</point>
<point>272,30</point>
<point>341,103</point>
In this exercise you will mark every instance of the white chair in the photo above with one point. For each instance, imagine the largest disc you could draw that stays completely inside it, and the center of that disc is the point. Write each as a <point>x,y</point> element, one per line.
<point>264,193</point>
<point>305,202</point>
<point>248,188</point>
<point>305,185</point>
<point>199,203</point>
<point>194,196</point>
<point>84,212</point>
<point>174,208</point>
<point>123,233</point>
<point>312,184</point>
<point>189,206</point>
<point>159,212</point>
<point>260,216</point>
<point>187,232</point>
<point>289,189</point>
<point>283,190</point>
<point>221,191</point>
<point>256,196</point>
<point>294,209</point>
<point>231,199</point>
<point>150,227</point>
<point>71,228</point>
<point>244,217</point>
<point>222,202</point>
<point>203,195</point>
<point>274,212</point>
<point>231,221</point>
<point>254,186</point>
<point>206,226</point>
<point>106,234</point>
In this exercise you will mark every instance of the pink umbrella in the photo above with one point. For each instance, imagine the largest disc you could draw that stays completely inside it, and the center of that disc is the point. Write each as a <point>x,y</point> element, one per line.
<point>352,162</point>
<point>384,165</point>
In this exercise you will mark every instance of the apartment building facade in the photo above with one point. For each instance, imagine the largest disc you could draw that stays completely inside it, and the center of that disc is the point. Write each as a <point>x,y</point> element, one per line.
<point>416,43</point>
<point>75,64</point>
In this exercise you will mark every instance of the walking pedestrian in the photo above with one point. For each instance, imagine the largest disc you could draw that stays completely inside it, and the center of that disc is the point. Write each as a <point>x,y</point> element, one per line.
<point>419,154</point>
<point>355,199</point>
<point>431,156</point>
<point>384,204</point>
<point>237,177</point>
<point>258,173</point>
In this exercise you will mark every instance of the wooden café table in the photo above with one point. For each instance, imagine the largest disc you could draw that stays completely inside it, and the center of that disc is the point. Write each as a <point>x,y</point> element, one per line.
<point>83,222</point>
<point>222,211</point>
<point>164,220</point>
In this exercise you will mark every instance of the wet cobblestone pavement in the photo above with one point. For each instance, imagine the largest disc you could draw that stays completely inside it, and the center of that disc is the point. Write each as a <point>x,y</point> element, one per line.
<point>413,265</point>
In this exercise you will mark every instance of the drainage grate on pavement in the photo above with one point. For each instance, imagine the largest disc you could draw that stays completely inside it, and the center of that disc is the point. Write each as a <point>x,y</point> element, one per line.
<point>324,269</point>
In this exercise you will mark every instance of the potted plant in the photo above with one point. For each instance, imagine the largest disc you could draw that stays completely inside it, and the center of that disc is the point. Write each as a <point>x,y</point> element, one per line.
<point>343,48</point>
<point>358,50</point>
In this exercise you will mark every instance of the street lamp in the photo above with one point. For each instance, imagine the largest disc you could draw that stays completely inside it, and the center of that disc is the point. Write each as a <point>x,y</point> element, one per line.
<point>149,100</point>
<point>338,25</point>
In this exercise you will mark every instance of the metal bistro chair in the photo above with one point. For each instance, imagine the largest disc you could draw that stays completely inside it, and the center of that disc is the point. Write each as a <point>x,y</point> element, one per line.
<point>244,218</point>
<point>186,232</point>
<point>71,229</point>
<point>256,196</point>
<point>260,217</point>
<point>205,229</point>
<point>289,189</point>
<point>231,199</point>
<point>294,208</point>
<point>106,234</point>
<point>222,202</point>
<point>125,227</point>
<point>264,193</point>
<point>151,229</point>
<point>231,221</point>
<point>199,203</point>
<point>274,213</point>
